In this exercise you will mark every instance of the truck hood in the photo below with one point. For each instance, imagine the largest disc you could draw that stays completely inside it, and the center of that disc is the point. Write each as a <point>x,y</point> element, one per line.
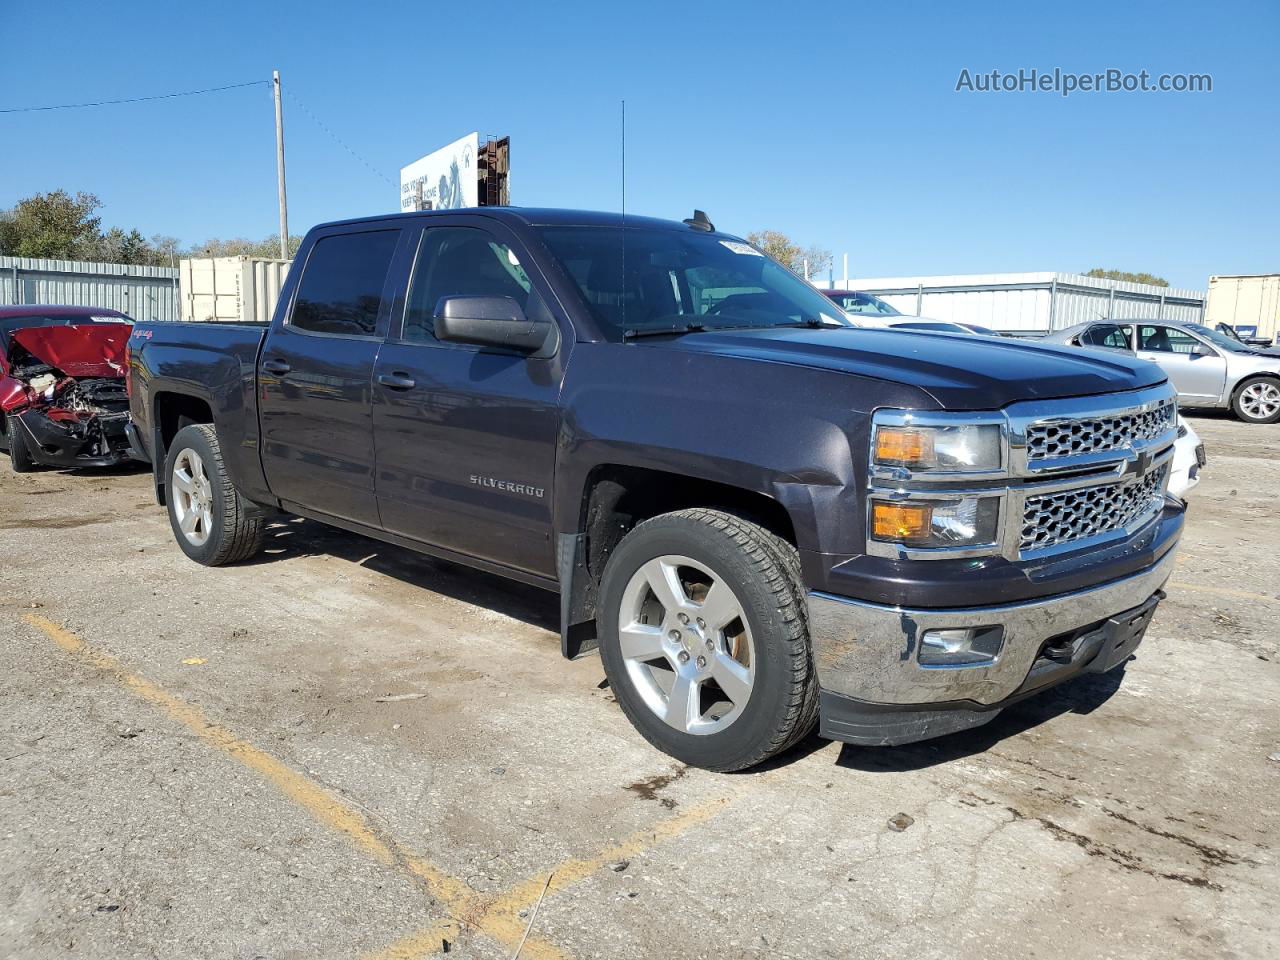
<point>960,372</point>
<point>90,350</point>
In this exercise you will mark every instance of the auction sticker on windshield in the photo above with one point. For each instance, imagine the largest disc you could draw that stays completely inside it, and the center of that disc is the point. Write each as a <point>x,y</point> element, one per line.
<point>739,247</point>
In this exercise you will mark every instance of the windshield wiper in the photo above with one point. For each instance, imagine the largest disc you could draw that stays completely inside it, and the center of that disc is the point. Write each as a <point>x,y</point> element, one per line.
<point>638,332</point>
<point>811,324</point>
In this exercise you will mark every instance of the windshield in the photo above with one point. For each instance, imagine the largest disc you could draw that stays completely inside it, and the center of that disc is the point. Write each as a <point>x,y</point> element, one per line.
<point>674,280</point>
<point>865,303</point>
<point>1219,339</point>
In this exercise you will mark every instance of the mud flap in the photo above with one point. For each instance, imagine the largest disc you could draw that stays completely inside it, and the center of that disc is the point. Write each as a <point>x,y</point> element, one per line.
<point>577,596</point>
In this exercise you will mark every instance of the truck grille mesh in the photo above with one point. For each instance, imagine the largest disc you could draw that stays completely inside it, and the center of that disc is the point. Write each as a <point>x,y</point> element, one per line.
<point>1052,439</point>
<point>1057,518</point>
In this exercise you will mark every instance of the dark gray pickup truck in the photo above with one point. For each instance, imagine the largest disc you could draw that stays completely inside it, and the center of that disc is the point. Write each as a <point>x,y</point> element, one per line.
<point>763,517</point>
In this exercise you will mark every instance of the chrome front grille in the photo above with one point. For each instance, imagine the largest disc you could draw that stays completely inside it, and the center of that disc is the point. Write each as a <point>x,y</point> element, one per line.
<point>1074,472</point>
<point>1053,439</point>
<point>1056,518</point>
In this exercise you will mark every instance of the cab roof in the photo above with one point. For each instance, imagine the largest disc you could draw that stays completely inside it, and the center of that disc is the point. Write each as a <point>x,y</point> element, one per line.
<point>536,217</point>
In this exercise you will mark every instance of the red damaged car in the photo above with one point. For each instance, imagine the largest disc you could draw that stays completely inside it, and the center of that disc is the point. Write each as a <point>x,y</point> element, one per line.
<point>62,386</point>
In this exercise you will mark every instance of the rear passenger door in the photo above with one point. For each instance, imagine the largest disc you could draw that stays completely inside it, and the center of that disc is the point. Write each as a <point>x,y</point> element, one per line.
<point>316,376</point>
<point>1111,336</point>
<point>466,435</point>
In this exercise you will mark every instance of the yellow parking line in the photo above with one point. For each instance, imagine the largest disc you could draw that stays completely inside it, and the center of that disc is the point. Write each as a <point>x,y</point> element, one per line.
<point>502,914</point>
<point>423,943</point>
<point>1222,591</point>
<point>455,895</point>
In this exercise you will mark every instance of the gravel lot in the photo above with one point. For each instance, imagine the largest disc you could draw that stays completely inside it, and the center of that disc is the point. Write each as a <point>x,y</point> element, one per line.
<point>205,763</point>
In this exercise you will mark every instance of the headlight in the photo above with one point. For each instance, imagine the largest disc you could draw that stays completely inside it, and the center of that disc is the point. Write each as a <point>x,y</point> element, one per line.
<point>964,448</point>
<point>969,521</point>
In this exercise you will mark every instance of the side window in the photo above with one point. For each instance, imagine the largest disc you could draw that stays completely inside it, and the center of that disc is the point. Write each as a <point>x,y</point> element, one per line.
<point>1106,335</point>
<point>462,261</point>
<point>1166,340</point>
<point>341,290</point>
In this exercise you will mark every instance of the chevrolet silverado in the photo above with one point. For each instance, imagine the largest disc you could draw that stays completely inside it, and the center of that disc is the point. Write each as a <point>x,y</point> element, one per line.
<point>764,518</point>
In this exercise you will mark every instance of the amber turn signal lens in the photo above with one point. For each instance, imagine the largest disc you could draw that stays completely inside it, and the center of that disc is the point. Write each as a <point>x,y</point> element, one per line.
<point>894,521</point>
<point>905,448</point>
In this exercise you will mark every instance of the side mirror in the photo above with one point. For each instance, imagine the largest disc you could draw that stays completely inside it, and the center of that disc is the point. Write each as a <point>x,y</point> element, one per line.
<point>1202,351</point>
<point>489,322</point>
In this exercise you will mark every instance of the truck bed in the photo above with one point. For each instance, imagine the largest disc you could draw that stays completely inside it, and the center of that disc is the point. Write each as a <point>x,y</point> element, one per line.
<point>214,364</point>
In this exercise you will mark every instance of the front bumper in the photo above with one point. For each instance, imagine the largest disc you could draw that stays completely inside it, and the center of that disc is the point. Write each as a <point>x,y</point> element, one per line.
<point>867,655</point>
<point>52,444</point>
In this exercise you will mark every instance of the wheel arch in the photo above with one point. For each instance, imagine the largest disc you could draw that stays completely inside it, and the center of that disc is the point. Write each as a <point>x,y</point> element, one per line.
<point>171,410</point>
<point>617,496</point>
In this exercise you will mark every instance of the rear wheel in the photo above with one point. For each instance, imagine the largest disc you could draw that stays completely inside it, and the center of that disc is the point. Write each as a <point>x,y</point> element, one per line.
<point>19,453</point>
<point>1257,400</point>
<point>704,639</point>
<point>212,523</point>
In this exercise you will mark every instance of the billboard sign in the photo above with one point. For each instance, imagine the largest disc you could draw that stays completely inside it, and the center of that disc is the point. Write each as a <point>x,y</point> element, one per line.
<point>443,180</point>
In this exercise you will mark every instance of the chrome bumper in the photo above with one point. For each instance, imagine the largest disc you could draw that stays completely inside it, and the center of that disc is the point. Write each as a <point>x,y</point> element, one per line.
<point>869,652</point>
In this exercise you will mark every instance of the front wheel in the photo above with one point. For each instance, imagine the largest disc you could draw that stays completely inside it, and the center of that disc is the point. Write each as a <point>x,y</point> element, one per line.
<point>704,639</point>
<point>212,523</point>
<point>19,453</point>
<point>1258,400</point>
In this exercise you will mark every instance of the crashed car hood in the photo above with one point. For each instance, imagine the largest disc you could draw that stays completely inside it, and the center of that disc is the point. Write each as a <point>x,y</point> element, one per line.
<point>961,372</point>
<point>91,350</point>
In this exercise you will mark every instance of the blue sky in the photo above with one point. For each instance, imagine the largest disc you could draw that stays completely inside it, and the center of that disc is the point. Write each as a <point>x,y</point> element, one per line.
<point>836,123</point>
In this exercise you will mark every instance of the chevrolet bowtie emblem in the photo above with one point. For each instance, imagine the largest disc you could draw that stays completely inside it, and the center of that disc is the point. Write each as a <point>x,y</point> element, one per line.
<point>1139,466</point>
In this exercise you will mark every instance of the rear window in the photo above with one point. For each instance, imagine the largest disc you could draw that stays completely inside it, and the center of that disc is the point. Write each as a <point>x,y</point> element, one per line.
<point>341,288</point>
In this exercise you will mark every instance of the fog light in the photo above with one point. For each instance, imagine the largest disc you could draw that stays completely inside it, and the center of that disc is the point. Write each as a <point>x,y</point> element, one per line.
<point>961,646</point>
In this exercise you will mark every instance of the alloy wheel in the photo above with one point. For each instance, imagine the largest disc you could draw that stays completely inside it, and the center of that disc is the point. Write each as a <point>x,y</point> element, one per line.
<point>192,497</point>
<point>1260,400</point>
<point>687,646</point>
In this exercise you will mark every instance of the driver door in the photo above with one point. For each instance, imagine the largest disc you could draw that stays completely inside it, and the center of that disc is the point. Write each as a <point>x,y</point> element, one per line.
<point>1197,370</point>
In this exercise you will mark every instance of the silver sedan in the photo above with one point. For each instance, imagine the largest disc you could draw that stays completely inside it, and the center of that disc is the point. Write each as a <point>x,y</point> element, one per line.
<point>1207,368</point>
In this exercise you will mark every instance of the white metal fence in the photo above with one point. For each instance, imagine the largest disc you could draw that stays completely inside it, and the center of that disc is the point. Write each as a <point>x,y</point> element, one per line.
<point>1030,302</point>
<point>144,293</point>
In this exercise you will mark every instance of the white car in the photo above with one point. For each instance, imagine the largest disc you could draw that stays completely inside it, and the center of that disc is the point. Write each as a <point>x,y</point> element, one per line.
<point>865,310</point>
<point>1188,461</point>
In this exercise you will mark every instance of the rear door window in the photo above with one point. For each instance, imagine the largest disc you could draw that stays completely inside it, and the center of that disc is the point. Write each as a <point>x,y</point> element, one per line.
<point>1110,335</point>
<point>341,289</point>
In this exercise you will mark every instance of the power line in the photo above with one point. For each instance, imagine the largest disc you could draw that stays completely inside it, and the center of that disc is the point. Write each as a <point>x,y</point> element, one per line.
<point>337,139</point>
<point>161,96</point>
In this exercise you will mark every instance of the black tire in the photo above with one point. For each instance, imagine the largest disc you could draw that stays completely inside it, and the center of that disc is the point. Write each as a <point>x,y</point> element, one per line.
<point>19,453</point>
<point>763,572</point>
<point>237,527</point>
<point>1238,400</point>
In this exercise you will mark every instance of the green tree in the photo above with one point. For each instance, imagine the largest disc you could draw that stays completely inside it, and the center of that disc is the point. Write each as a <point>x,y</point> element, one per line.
<point>54,225</point>
<point>167,250</point>
<point>1148,278</point>
<point>789,253</point>
<point>268,247</point>
<point>59,226</point>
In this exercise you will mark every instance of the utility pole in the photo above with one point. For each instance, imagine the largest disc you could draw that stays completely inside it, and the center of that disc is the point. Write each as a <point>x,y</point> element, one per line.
<point>284,205</point>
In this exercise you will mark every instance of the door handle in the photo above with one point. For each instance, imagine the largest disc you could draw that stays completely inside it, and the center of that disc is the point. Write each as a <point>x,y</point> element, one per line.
<point>278,367</point>
<point>397,381</point>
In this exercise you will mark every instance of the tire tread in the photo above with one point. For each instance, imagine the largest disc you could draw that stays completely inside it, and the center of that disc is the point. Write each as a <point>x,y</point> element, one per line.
<point>243,530</point>
<point>777,564</point>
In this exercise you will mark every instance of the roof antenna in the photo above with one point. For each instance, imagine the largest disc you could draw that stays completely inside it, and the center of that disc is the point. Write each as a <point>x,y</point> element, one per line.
<point>699,221</point>
<point>622,289</point>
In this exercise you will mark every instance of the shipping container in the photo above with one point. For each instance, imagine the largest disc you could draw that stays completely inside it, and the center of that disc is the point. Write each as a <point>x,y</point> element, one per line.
<point>1246,301</point>
<point>221,289</point>
<point>1028,303</point>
